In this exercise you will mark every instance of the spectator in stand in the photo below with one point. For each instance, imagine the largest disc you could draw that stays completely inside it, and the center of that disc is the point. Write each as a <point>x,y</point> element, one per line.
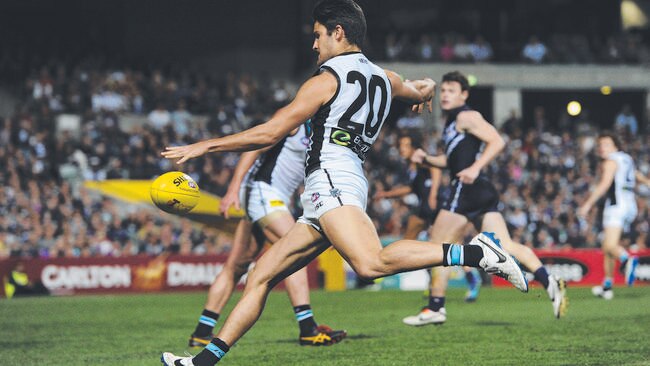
<point>181,119</point>
<point>462,50</point>
<point>160,117</point>
<point>426,48</point>
<point>534,51</point>
<point>512,126</point>
<point>394,49</point>
<point>481,50</point>
<point>626,120</point>
<point>447,49</point>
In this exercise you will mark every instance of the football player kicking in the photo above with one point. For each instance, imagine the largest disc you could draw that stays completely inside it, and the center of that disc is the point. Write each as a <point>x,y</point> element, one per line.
<point>264,182</point>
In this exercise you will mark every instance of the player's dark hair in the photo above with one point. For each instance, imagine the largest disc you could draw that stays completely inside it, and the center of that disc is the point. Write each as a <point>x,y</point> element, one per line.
<point>416,140</point>
<point>458,77</point>
<point>609,134</point>
<point>345,13</point>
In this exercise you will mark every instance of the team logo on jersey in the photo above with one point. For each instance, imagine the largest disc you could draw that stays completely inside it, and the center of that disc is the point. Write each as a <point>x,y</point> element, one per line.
<point>315,197</point>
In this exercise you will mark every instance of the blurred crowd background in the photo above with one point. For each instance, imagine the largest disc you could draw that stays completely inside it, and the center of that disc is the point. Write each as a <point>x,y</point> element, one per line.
<point>543,175</point>
<point>170,65</point>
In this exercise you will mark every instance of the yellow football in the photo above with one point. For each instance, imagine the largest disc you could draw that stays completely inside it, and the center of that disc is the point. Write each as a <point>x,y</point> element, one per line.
<point>175,192</point>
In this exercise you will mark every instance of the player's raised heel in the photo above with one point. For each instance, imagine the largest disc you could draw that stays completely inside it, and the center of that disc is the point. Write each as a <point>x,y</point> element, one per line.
<point>497,262</point>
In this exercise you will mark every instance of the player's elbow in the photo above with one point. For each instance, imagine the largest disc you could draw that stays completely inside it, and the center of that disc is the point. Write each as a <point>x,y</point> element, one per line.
<point>499,143</point>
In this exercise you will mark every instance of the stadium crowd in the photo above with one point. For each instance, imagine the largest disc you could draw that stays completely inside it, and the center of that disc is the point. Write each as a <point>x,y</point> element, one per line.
<point>624,48</point>
<point>45,211</point>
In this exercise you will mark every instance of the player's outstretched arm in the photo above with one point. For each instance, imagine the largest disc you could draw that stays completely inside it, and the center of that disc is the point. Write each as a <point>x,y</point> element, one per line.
<point>472,122</point>
<point>606,180</point>
<point>418,92</point>
<point>310,97</point>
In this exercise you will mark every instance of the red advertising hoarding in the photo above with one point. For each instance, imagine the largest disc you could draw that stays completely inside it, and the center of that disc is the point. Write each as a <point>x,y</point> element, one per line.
<point>125,274</point>
<point>585,267</point>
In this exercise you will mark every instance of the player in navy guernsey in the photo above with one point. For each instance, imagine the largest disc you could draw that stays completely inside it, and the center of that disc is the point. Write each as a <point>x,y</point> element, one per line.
<point>348,101</point>
<point>617,182</point>
<point>263,183</point>
<point>425,184</point>
<point>473,198</point>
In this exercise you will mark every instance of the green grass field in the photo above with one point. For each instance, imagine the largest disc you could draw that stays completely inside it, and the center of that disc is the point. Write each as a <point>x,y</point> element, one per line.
<point>504,327</point>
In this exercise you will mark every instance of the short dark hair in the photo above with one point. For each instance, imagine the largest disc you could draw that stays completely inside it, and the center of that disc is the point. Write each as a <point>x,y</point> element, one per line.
<point>609,134</point>
<point>416,140</point>
<point>458,77</point>
<point>345,13</point>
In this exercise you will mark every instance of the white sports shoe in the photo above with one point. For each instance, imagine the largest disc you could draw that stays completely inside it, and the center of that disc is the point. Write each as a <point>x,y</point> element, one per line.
<point>557,293</point>
<point>601,292</point>
<point>168,359</point>
<point>497,262</point>
<point>426,316</point>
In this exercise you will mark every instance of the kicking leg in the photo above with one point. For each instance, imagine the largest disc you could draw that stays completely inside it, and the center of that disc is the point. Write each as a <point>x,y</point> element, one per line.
<point>243,252</point>
<point>298,290</point>
<point>295,250</point>
<point>352,233</point>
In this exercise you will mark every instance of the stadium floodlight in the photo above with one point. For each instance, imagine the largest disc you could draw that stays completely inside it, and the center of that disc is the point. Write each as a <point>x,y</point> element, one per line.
<point>574,108</point>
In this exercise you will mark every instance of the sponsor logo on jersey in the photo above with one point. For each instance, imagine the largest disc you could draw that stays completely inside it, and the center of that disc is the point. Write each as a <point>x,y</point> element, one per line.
<point>191,184</point>
<point>318,205</point>
<point>315,197</point>
<point>350,140</point>
<point>340,137</point>
<point>335,192</point>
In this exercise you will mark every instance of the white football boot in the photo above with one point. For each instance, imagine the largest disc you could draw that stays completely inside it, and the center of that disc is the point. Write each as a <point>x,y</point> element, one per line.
<point>169,359</point>
<point>557,293</point>
<point>426,316</point>
<point>601,292</point>
<point>498,262</point>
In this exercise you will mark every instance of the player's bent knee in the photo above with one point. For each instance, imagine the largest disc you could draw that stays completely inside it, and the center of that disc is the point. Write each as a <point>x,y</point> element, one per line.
<point>368,272</point>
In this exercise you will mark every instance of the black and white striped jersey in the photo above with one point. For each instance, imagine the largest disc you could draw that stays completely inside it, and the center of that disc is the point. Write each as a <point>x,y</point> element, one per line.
<point>282,166</point>
<point>344,129</point>
<point>621,192</point>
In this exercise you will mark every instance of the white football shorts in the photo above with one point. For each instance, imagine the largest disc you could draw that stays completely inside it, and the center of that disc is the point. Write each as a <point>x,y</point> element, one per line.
<point>327,189</point>
<point>621,215</point>
<point>260,200</point>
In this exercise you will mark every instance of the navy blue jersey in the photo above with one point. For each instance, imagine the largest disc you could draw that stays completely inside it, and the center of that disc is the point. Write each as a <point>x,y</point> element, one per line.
<point>462,149</point>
